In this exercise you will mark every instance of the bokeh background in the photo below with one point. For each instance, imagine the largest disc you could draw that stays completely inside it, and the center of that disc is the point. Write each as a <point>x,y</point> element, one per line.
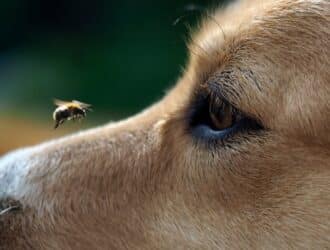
<point>120,56</point>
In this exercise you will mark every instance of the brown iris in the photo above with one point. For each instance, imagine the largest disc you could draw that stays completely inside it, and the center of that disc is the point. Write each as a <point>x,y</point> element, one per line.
<point>222,114</point>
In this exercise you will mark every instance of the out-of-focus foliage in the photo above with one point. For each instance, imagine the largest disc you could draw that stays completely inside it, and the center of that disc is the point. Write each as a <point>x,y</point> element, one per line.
<point>119,56</point>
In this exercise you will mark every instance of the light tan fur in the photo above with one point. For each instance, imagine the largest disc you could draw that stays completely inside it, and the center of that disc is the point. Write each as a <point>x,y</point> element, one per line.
<point>145,183</point>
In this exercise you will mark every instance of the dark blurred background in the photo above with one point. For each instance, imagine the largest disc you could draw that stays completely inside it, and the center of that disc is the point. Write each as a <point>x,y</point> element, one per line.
<point>120,56</point>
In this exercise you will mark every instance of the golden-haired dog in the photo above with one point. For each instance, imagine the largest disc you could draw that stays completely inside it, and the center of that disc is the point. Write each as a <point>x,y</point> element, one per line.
<point>235,156</point>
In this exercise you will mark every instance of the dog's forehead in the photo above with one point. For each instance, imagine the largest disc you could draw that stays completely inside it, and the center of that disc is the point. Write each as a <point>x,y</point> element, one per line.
<point>253,19</point>
<point>275,55</point>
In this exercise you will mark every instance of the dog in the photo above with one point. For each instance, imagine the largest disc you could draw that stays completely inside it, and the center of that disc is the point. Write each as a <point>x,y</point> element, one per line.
<point>235,156</point>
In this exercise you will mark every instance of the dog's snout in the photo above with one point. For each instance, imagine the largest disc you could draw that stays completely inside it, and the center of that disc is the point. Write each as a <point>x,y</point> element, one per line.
<point>118,155</point>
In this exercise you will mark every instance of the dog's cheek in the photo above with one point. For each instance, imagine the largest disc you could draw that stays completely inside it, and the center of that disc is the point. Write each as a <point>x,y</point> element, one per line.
<point>241,176</point>
<point>246,189</point>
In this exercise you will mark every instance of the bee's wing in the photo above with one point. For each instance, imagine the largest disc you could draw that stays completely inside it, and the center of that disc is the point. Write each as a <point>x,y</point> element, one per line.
<point>58,102</point>
<point>83,105</point>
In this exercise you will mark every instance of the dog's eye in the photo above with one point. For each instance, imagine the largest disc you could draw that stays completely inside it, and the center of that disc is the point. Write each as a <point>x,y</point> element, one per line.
<point>215,118</point>
<point>222,114</point>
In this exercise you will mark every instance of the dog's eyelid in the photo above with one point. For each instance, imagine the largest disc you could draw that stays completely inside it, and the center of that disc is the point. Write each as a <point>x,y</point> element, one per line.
<point>218,91</point>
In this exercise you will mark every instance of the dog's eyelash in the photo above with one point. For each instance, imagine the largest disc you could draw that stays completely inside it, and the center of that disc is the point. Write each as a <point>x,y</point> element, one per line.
<point>218,104</point>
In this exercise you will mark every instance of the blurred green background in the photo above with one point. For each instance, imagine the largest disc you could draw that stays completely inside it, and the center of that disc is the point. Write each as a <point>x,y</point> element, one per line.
<point>120,56</point>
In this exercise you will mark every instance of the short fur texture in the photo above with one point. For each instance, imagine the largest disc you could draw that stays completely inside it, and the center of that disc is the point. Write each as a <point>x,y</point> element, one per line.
<point>146,183</point>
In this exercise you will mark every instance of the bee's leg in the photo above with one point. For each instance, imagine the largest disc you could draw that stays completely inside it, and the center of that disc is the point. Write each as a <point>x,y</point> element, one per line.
<point>57,123</point>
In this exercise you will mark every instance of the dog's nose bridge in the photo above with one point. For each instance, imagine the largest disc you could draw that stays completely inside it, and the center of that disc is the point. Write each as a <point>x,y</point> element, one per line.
<point>107,155</point>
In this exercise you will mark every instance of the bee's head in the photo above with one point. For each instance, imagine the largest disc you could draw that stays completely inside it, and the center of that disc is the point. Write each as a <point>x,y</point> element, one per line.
<point>79,112</point>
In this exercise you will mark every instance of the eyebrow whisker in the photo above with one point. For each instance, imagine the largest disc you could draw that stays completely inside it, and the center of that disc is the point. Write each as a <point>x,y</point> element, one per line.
<point>212,18</point>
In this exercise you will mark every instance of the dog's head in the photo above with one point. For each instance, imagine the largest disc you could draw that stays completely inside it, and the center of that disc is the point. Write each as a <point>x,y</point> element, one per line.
<point>237,155</point>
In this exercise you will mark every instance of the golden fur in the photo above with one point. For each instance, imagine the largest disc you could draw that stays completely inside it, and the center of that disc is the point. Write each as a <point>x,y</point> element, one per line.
<point>146,183</point>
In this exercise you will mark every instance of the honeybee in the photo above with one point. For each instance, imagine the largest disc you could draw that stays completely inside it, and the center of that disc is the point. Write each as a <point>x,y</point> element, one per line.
<point>69,111</point>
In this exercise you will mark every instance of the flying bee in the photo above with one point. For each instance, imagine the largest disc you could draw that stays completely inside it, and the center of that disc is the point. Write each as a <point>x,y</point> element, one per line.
<point>69,111</point>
